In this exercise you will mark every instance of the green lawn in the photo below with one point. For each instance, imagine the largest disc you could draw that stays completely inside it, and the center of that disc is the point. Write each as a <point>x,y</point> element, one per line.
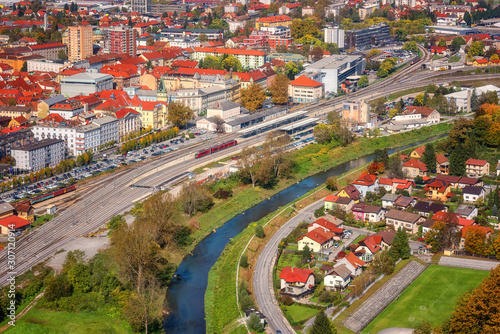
<point>454,59</point>
<point>361,236</point>
<point>38,321</point>
<point>430,297</point>
<point>288,260</point>
<point>299,313</point>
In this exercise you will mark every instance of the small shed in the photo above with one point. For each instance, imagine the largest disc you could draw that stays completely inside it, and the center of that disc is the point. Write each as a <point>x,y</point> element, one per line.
<point>51,209</point>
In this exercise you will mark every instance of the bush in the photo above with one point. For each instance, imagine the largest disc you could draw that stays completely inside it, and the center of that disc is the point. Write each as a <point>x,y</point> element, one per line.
<point>319,212</point>
<point>287,300</point>
<point>332,183</point>
<point>254,323</point>
<point>244,261</point>
<point>259,232</point>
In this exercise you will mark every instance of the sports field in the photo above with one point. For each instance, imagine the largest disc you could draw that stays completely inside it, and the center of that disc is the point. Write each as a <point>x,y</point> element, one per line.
<point>430,297</point>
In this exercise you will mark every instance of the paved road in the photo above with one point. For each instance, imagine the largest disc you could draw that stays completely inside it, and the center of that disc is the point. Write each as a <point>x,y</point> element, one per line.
<point>459,262</point>
<point>377,302</point>
<point>263,273</point>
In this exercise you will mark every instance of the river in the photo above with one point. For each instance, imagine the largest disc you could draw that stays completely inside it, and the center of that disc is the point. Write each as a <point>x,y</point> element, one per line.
<point>186,295</point>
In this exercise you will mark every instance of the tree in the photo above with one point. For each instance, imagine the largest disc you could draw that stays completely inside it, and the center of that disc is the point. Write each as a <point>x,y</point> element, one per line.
<point>244,261</point>
<point>372,168</point>
<point>306,254</point>
<point>179,114</point>
<point>494,57</point>
<point>423,328</point>
<point>259,232</point>
<point>291,70</point>
<point>150,41</point>
<point>395,167</point>
<point>363,81</point>
<point>219,124</point>
<point>401,34</point>
<point>231,63</point>
<point>458,157</point>
<point>279,89</point>
<point>477,311</point>
<point>410,46</point>
<point>457,42</point>
<point>468,18</point>
<point>332,183</point>
<point>316,53</point>
<point>452,105</point>
<point>303,27</point>
<point>62,55</point>
<point>493,138</point>
<point>475,238</point>
<point>442,43</point>
<point>130,23</point>
<point>429,157</point>
<point>203,38</point>
<point>253,97</point>
<point>254,323</point>
<point>143,308</point>
<point>212,63</point>
<point>476,49</point>
<point>474,101</point>
<point>24,68</point>
<point>195,198</point>
<point>400,249</point>
<point>321,325</point>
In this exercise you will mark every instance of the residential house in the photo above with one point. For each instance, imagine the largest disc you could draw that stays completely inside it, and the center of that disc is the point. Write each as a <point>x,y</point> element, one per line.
<point>424,208</point>
<point>477,168</point>
<point>366,183</point>
<point>408,221</point>
<point>327,226</point>
<point>471,194</point>
<point>469,181</point>
<point>350,191</point>
<point>431,115</point>
<point>437,190</point>
<point>404,202</point>
<point>486,231</point>
<point>387,237</point>
<point>13,223</point>
<point>388,200</point>
<point>393,185</point>
<point>305,90</point>
<point>466,211</point>
<point>365,212</point>
<point>413,168</point>
<point>343,203</point>
<point>367,247</point>
<point>296,282</point>
<point>417,153</point>
<point>442,164</point>
<point>426,225</point>
<point>353,263</point>
<point>338,278</point>
<point>318,240</point>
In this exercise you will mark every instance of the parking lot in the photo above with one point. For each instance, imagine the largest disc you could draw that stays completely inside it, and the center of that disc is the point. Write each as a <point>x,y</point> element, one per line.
<point>106,163</point>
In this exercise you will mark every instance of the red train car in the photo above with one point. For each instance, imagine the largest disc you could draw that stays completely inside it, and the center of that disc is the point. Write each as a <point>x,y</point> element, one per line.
<point>52,194</point>
<point>215,149</point>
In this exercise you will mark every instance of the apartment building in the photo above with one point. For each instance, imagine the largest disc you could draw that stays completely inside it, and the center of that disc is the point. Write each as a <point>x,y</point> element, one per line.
<point>335,35</point>
<point>35,156</point>
<point>377,35</point>
<point>48,50</point>
<point>80,43</point>
<point>122,40</point>
<point>110,129</point>
<point>304,90</point>
<point>86,84</point>
<point>248,58</point>
<point>141,6</point>
<point>477,168</point>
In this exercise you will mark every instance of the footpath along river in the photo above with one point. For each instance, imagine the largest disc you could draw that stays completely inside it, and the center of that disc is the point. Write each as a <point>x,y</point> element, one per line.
<point>185,296</point>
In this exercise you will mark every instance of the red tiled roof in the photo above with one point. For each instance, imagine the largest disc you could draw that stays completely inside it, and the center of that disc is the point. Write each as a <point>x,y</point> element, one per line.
<point>292,275</point>
<point>366,180</point>
<point>14,220</point>
<point>124,112</point>
<point>481,61</point>
<point>274,19</point>
<point>414,163</point>
<point>354,260</point>
<point>476,162</point>
<point>230,51</point>
<point>319,235</point>
<point>304,81</point>
<point>420,150</point>
<point>440,158</point>
<point>46,46</point>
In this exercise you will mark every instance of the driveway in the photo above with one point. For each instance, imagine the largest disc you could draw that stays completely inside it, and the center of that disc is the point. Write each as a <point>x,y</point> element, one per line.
<point>396,330</point>
<point>356,232</point>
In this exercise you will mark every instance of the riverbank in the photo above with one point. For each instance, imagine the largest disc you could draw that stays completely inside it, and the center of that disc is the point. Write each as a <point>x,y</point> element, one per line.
<point>221,307</point>
<point>311,160</point>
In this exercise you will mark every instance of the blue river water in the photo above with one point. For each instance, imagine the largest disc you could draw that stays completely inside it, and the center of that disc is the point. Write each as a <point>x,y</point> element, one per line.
<point>185,296</point>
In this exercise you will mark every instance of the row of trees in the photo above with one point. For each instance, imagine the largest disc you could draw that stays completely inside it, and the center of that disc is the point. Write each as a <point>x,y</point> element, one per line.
<point>335,130</point>
<point>149,139</point>
<point>62,167</point>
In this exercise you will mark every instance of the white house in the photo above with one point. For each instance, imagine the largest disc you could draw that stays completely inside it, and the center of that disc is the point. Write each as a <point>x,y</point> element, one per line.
<point>471,194</point>
<point>296,282</point>
<point>338,278</point>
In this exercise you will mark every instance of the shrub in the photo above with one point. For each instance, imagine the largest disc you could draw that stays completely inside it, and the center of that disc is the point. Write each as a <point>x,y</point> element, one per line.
<point>259,232</point>
<point>244,261</point>
<point>319,212</point>
<point>287,300</point>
